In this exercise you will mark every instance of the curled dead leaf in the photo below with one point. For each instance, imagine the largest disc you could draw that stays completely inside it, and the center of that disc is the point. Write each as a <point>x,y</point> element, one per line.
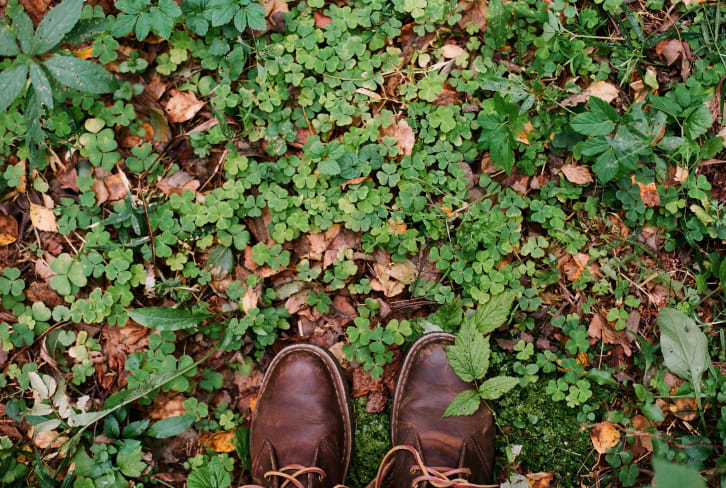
<point>177,183</point>
<point>604,436</point>
<point>182,106</point>
<point>648,193</point>
<point>579,175</point>
<point>8,230</point>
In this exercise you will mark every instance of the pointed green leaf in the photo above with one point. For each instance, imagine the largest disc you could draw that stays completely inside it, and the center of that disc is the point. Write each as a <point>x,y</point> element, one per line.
<point>165,318</point>
<point>671,475</point>
<point>590,124</point>
<point>23,27</point>
<point>169,427</point>
<point>494,388</point>
<point>11,81</point>
<point>493,313</point>
<point>684,345</point>
<point>469,356</point>
<point>56,24</point>
<point>465,403</point>
<point>8,46</point>
<point>81,74</point>
<point>41,85</point>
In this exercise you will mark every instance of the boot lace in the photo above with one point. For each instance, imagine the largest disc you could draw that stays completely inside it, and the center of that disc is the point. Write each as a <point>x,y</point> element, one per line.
<point>290,475</point>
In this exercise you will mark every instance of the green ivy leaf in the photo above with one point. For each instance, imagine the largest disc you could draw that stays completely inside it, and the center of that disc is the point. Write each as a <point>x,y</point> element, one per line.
<point>56,24</point>
<point>494,388</point>
<point>11,81</point>
<point>469,356</point>
<point>165,318</point>
<point>169,427</point>
<point>81,74</point>
<point>466,403</point>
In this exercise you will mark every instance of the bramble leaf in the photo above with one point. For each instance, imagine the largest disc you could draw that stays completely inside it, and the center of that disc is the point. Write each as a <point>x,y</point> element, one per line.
<point>469,356</point>
<point>465,403</point>
<point>494,388</point>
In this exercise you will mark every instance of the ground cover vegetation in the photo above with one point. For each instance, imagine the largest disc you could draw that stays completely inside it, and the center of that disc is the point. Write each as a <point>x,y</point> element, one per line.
<point>188,186</point>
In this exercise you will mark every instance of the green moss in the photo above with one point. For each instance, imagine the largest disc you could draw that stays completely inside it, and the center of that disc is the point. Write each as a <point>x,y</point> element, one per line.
<point>372,441</point>
<point>553,443</point>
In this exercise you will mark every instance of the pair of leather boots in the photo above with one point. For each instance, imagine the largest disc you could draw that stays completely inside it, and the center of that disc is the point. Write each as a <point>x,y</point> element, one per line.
<point>302,435</point>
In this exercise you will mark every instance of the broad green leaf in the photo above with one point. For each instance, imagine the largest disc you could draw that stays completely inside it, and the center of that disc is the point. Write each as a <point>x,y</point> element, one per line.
<point>653,412</point>
<point>256,17</point>
<point>130,463</point>
<point>590,124</point>
<point>170,426</point>
<point>465,403</point>
<point>242,446</point>
<point>670,475</point>
<point>11,81</point>
<point>494,388</point>
<point>220,260</point>
<point>211,476</point>
<point>684,346</point>
<point>493,313</point>
<point>165,318</point>
<point>329,167</point>
<point>698,122</point>
<point>56,24</point>
<point>469,356</point>
<point>602,109</point>
<point>601,377</point>
<point>8,46</point>
<point>41,85</point>
<point>81,74</point>
<point>606,166</point>
<point>23,27</point>
<point>500,149</point>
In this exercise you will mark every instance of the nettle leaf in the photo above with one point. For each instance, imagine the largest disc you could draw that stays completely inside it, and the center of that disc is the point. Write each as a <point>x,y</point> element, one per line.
<point>8,46</point>
<point>469,356</point>
<point>169,427</point>
<point>493,313</point>
<point>465,403</point>
<point>222,11</point>
<point>684,346</point>
<point>494,388</point>
<point>41,85</point>
<point>56,24</point>
<point>165,318</point>
<point>11,81</point>
<point>81,74</point>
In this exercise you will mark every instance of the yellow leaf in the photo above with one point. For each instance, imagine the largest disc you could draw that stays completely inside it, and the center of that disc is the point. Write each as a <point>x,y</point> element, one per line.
<point>43,218</point>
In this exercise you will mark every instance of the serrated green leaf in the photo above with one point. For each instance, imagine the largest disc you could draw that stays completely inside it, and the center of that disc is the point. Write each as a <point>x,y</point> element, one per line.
<point>465,403</point>
<point>130,462</point>
<point>698,122</point>
<point>81,74</point>
<point>329,167</point>
<point>23,27</point>
<point>494,388</point>
<point>256,17</point>
<point>41,85</point>
<point>211,476</point>
<point>169,427</point>
<point>493,313</point>
<point>590,124</point>
<point>165,318</point>
<point>56,24</point>
<point>469,356</point>
<point>8,46</point>
<point>12,81</point>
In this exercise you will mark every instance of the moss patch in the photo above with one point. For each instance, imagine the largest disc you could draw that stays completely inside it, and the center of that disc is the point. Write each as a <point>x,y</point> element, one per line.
<point>372,441</point>
<point>552,443</point>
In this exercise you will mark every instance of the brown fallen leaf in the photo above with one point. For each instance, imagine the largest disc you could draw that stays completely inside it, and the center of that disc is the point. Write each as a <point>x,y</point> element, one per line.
<point>321,20</point>
<point>8,230</point>
<point>403,134</point>
<point>600,329</point>
<point>451,51</point>
<point>182,106</point>
<point>648,193</point>
<point>540,480</point>
<point>177,183</point>
<point>43,218</point>
<point>640,423</point>
<point>685,409</point>
<point>523,135</point>
<point>573,268</point>
<point>166,405</point>
<point>474,12</point>
<point>218,441</point>
<point>392,278</point>
<point>677,175</point>
<point>99,189</point>
<point>603,90</point>
<point>673,50</point>
<point>116,187</point>
<point>579,175</point>
<point>604,436</point>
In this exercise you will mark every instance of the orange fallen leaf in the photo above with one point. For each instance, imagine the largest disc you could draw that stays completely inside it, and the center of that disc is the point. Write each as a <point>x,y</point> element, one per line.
<point>540,480</point>
<point>523,135</point>
<point>685,409</point>
<point>321,20</point>
<point>648,193</point>
<point>219,441</point>
<point>8,230</point>
<point>177,183</point>
<point>182,106</point>
<point>116,187</point>
<point>579,175</point>
<point>474,12</point>
<point>603,90</point>
<point>604,436</point>
<point>600,329</point>
<point>451,51</point>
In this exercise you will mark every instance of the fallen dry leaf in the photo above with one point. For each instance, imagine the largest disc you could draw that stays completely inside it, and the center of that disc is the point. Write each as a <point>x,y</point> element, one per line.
<point>177,183</point>
<point>392,278</point>
<point>604,436</point>
<point>685,409</point>
<point>218,441</point>
<point>673,50</point>
<point>116,187</point>
<point>368,93</point>
<point>603,90</point>
<point>167,405</point>
<point>474,12</point>
<point>540,480</point>
<point>99,189</point>
<point>43,218</point>
<point>648,193</point>
<point>600,329</point>
<point>321,20</point>
<point>451,51</point>
<point>403,134</point>
<point>182,106</point>
<point>579,175</point>
<point>8,230</point>
<point>523,135</point>
<point>640,423</point>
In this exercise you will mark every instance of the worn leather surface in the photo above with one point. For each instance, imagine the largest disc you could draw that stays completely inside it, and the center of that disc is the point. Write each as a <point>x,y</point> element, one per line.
<point>425,388</point>
<point>302,416</point>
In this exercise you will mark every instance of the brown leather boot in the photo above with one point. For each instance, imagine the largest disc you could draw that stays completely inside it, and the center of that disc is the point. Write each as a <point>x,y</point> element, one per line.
<point>301,427</point>
<point>425,388</point>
